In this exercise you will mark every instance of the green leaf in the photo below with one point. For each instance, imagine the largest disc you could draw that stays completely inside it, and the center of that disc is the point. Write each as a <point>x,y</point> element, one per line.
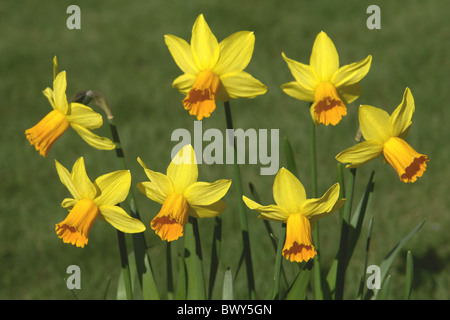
<point>298,289</point>
<point>181,290</point>
<point>290,159</point>
<point>363,277</point>
<point>193,259</point>
<point>384,291</point>
<point>353,233</point>
<point>409,276</point>
<point>121,286</point>
<point>227,291</point>
<point>358,217</point>
<point>387,262</point>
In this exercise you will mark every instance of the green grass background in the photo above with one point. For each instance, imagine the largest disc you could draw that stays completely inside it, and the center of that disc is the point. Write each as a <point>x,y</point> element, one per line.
<point>120,51</point>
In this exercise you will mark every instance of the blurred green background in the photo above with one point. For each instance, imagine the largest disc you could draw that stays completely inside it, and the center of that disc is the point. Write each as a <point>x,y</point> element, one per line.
<point>120,51</point>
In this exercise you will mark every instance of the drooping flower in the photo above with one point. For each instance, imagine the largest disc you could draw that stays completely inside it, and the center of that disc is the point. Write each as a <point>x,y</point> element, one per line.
<point>299,213</point>
<point>323,83</point>
<point>80,117</point>
<point>213,71</point>
<point>385,136</point>
<point>93,200</point>
<point>181,195</point>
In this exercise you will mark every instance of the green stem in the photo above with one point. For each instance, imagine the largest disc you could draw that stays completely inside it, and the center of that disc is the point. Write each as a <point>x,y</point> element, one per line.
<point>317,281</point>
<point>170,286</point>
<point>242,212</point>
<point>125,265</point>
<point>278,260</point>
<point>345,229</point>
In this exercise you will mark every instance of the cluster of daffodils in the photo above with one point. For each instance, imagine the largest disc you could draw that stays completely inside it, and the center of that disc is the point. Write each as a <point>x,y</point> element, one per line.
<point>214,71</point>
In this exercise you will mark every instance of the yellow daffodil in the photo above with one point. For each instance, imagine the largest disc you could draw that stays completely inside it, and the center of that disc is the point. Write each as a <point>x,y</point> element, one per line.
<point>182,195</point>
<point>325,84</point>
<point>384,135</point>
<point>80,117</point>
<point>94,200</point>
<point>298,212</point>
<point>213,71</point>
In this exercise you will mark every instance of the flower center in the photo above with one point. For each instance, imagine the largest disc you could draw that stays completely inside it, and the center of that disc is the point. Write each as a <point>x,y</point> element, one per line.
<point>47,131</point>
<point>201,99</point>
<point>170,221</point>
<point>404,159</point>
<point>75,228</point>
<point>298,245</point>
<point>328,106</point>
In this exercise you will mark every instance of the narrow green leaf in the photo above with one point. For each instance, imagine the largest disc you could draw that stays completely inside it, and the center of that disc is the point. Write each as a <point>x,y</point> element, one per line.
<point>384,291</point>
<point>290,159</point>
<point>387,262</point>
<point>121,286</point>
<point>193,259</point>
<point>298,289</point>
<point>366,259</point>
<point>107,288</point>
<point>181,291</point>
<point>409,276</point>
<point>278,260</point>
<point>358,217</point>
<point>215,254</point>
<point>227,291</point>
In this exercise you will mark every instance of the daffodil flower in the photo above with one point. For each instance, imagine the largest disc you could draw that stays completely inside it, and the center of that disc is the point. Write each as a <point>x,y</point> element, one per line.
<point>80,117</point>
<point>93,200</point>
<point>299,213</point>
<point>384,136</point>
<point>213,71</point>
<point>323,83</point>
<point>181,195</point>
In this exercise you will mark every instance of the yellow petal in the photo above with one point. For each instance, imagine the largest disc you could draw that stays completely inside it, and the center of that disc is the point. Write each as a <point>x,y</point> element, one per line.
<point>235,52</point>
<point>324,57</point>
<point>59,92</point>
<point>113,187</point>
<point>81,181</point>
<point>159,187</point>
<point>181,53</point>
<point>374,123</point>
<point>297,91</point>
<point>303,74</point>
<point>204,45</point>
<point>322,206</point>
<point>205,193</point>
<point>288,192</point>
<point>49,94</point>
<point>270,212</point>
<point>360,153</point>
<point>350,93</point>
<point>68,203</point>
<point>184,83</point>
<point>242,85</point>
<point>183,170</point>
<point>401,119</point>
<point>352,73</point>
<point>92,139</point>
<point>208,211</point>
<point>120,220</point>
<point>84,116</point>
<point>66,179</point>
